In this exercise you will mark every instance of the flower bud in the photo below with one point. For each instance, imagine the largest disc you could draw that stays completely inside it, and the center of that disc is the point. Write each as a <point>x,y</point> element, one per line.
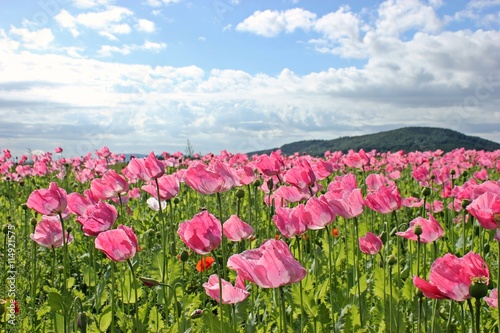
<point>391,260</point>
<point>479,287</point>
<point>426,192</point>
<point>240,194</point>
<point>176,200</point>
<point>417,229</point>
<point>270,184</point>
<point>196,313</point>
<point>82,321</point>
<point>149,282</point>
<point>184,256</point>
<point>257,183</point>
<point>33,222</point>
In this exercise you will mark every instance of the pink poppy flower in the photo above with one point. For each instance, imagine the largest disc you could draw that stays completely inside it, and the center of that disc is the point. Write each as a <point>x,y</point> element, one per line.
<point>146,169</point>
<point>318,213</point>
<point>412,202</point>
<point>230,294</point>
<point>301,175</point>
<point>356,160</point>
<point>51,201</point>
<point>111,185</point>
<point>384,200</point>
<point>431,230</point>
<point>434,207</point>
<point>169,187</point>
<point>486,209</point>
<point>79,203</point>
<point>370,244</point>
<point>270,266</point>
<point>270,165</point>
<point>347,204</point>
<point>246,175</point>
<point>290,222</point>
<point>98,218</point>
<point>202,234</point>
<point>49,234</point>
<point>205,181</point>
<point>118,244</point>
<point>58,150</point>
<point>236,230</point>
<point>492,299</point>
<point>450,277</point>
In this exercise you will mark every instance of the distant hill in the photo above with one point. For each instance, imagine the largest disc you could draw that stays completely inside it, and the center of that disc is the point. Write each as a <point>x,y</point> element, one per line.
<point>407,139</point>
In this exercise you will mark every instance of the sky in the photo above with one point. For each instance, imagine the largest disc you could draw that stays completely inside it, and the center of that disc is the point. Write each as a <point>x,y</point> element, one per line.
<point>241,75</point>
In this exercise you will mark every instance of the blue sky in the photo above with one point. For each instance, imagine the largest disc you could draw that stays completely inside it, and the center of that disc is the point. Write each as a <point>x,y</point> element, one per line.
<point>141,76</point>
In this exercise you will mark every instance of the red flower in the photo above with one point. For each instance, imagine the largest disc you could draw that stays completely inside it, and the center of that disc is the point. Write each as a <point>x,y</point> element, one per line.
<point>204,264</point>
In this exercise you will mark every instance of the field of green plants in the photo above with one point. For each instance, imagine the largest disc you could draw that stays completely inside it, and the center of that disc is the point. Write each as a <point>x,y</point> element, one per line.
<point>350,242</point>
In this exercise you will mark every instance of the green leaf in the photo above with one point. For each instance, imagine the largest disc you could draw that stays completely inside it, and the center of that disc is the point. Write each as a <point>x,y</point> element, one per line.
<point>155,323</point>
<point>127,286</point>
<point>105,318</point>
<point>89,277</point>
<point>70,283</point>
<point>55,301</point>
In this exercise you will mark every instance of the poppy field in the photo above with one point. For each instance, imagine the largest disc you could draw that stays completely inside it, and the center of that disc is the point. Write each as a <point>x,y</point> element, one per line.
<point>347,242</point>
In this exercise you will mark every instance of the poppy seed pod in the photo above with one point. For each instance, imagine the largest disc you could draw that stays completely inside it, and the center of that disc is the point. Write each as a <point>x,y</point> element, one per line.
<point>479,287</point>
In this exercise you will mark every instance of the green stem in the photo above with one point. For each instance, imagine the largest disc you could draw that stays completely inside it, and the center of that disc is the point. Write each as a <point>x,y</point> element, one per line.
<point>282,308</point>
<point>478,314</point>
<point>330,277</point>
<point>300,287</point>
<point>356,263</point>
<point>113,296</point>
<point>65,270</point>
<point>469,303</point>
<point>135,294</point>
<point>448,324</point>
<point>390,298</point>
<point>221,308</point>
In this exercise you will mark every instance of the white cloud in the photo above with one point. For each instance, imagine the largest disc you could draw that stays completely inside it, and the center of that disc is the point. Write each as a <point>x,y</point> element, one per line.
<point>107,51</point>
<point>68,21</point>
<point>145,26</point>
<point>271,23</point>
<point>103,19</point>
<point>36,40</point>
<point>399,16</point>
